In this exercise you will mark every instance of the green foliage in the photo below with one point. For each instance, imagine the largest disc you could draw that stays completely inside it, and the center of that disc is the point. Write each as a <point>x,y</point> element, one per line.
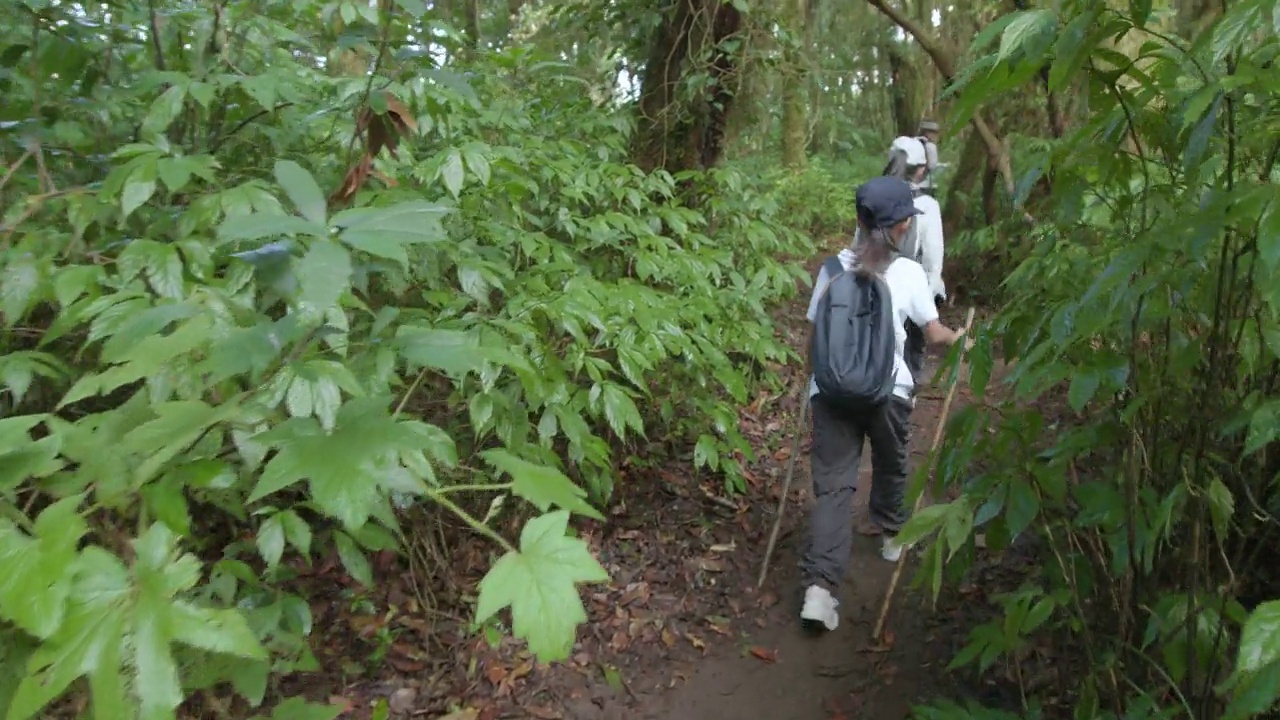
<point>820,198</point>
<point>537,582</point>
<point>215,373</point>
<point>1131,443</point>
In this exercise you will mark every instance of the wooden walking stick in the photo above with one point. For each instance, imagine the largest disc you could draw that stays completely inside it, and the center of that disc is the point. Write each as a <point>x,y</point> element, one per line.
<point>933,452</point>
<point>786,485</point>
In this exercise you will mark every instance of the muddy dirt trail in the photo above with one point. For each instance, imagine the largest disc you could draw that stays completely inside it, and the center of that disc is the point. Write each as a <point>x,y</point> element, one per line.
<point>841,673</point>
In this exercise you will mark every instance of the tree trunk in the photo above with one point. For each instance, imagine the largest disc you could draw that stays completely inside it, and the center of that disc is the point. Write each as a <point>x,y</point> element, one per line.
<point>795,122</point>
<point>904,89</point>
<point>963,186</point>
<point>473,23</point>
<point>814,76</point>
<point>925,91</point>
<point>678,133</point>
<point>1193,16</point>
<point>990,203</point>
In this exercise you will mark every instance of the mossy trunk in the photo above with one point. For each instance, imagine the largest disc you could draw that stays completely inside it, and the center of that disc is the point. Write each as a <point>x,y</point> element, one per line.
<point>677,131</point>
<point>963,186</point>
<point>795,86</point>
<point>904,92</point>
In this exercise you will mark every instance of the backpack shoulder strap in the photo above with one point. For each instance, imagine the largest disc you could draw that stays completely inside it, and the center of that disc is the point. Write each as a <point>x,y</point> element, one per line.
<point>833,266</point>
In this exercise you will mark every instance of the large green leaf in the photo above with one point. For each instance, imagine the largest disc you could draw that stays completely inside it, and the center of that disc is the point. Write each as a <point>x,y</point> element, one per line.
<point>302,190</point>
<point>260,225</point>
<point>539,583</point>
<point>387,231</point>
<point>36,572</point>
<point>324,274</point>
<point>541,485</point>
<point>344,469</point>
<point>1260,638</point>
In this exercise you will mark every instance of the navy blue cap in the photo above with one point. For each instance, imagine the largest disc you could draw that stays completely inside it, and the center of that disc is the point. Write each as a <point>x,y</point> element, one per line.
<point>885,201</point>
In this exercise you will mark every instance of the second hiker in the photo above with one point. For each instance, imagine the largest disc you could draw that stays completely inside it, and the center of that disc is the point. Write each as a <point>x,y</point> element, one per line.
<point>924,241</point>
<point>861,387</point>
<point>928,136</point>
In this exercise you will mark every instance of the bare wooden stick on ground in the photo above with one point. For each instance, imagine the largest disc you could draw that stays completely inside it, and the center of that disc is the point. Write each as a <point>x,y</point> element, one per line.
<point>786,485</point>
<point>933,452</point>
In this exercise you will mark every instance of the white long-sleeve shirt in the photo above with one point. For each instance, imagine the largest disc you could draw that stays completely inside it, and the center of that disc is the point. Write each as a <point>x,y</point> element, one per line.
<point>929,235</point>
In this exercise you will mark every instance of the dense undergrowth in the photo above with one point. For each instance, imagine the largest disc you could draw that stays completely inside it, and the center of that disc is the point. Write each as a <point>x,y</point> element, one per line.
<point>215,370</point>
<point>261,307</point>
<point>1146,296</point>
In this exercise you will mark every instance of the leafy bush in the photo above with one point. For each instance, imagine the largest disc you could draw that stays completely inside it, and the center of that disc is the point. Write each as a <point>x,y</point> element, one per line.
<point>1132,445</point>
<point>818,199</point>
<point>215,374</point>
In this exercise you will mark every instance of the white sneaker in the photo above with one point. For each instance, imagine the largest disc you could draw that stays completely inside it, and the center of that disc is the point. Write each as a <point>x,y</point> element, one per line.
<point>890,550</point>
<point>819,608</point>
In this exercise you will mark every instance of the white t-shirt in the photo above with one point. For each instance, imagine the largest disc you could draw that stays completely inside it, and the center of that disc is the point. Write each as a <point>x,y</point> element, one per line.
<point>912,300</point>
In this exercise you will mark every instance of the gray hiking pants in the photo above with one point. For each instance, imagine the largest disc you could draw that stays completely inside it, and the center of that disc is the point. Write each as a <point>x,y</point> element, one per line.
<point>834,458</point>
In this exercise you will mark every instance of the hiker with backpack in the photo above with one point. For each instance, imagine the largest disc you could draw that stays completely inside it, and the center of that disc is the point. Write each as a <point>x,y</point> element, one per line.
<point>924,241</point>
<point>861,387</point>
<point>927,135</point>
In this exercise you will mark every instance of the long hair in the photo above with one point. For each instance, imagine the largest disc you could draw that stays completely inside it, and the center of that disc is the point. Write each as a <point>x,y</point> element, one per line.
<point>873,250</point>
<point>898,167</point>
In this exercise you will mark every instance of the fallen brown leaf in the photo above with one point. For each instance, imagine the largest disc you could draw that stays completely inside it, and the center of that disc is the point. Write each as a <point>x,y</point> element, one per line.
<point>765,654</point>
<point>695,641</point>
<point>718,623</point>
<point>636,592</point>
<point>668,638</point>
<point>402,700</point>
<point>521,670</point>
<point>619,641</point>
<point>405,665</point>
<point>467,714</point>
<point>710,565</point>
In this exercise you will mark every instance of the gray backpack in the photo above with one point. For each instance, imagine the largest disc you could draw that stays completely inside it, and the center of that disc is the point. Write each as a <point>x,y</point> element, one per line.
<point>910,246</point>
<point>853,340</point>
